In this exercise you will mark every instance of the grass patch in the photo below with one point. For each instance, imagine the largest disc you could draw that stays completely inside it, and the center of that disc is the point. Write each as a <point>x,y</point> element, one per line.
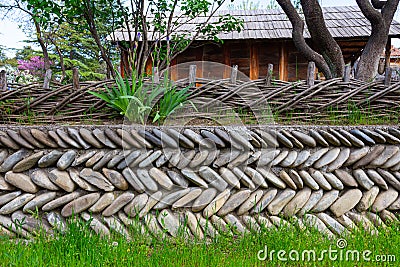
<point>79,246</point>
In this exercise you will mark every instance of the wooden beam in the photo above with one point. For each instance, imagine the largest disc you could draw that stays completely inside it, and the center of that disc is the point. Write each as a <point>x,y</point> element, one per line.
<point>388,51</point>
<point>254,63</point>
<point>227,60</point>
<point>174,70</point>
<point>283,62</point>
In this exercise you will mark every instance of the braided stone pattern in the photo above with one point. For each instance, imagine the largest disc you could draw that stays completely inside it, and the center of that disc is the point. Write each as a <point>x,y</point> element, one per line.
<point>199,181</point>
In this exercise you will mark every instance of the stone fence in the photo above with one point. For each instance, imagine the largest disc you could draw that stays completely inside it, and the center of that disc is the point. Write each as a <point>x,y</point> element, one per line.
<point>198,180</point>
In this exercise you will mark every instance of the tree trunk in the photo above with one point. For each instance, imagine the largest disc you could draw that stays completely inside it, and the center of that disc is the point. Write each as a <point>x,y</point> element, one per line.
<point>42,44</point>
<point>322,38</point>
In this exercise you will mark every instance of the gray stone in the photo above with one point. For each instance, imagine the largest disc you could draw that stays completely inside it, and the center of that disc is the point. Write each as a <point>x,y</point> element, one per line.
<point>74,175</point>
<point>388,217</point>
<point>43,138</point>
<point>212,155</point>
<point>76,136</point>
<point>199,158</point>
<point>4,185</point>
<point>147,135</point>
<point>346,202</point>
<point>104,160</point>
<point>280,201</point>
<point>235,224</point>
<point>270,139</point>
<point>41,178</point>
<point>96,179</point>
<point>287,180</point>
<point>330,138</point>
<point>8,141</point>
<point>3,155</point>
<point>30,223</point>
<point>80,204</point>
<point>118,204</point>
<point>28,162</point>
<point>60,142</point>
<point>302,157</point>
<point>226,157</point>
<point>320,179</point>
<point>377,179</point>
<point>393,161</point>
<point>384,199</point>
<point>327,158</point>
<point>133,180</point>
<point>372,154</point>
<point>389,138</point>
<point>149,160</point>
<point>21,181</point>
<point>169,199</point>
<point>244,179</point>
<point>312,201</point>
<point>315,157</point>
<point>389,152</point>
<point>212,178</point>
<point>147,180</point>
<point>293,139</point>
<point>178,179</point>
<point>8,228</point>
<point>154,227</point>
<point>50,159</point>
<point>304,138</point>
<point>241,136</point>
<point>251,223</point>
<point>318,138</point>
<point>282,139</point>
<point>214,206</point>
<point>62,179</point>
<point>193,225</point>
<point>39,201</point>
<point>151,202</point>
<point>393,180</point>
<point>194,177</point>
<point>267,156</point>
<point>19,140</point>
<point>89,138</point>
<point>362,179</point>
<point>218,142</point>
<point>353,140</point>
<point>96,225</point>
<point>272,178</point>
<point>114,224</point>
<point>136,205</point>
<point>326,201</point>
<point>65,137</point>
<point>296,178</point>
<point>256,177</point>
<point>395,205</point>
<point>250,202</point>
<point>315,222</point>
<point>116,179</point>
<point>298,201</point>
<point>13,159</point>
<point>99,134</point>
<point>129,159</point>
<point>333,180</point>
<point>340,160</point>
<point>332,224</point>
<point>115,138</point>
<point>26,134</point>
<point>365,138</point>
<point>340,137</point>
<point>346,178</point>
<point>282,155</point>
<point>169,222</point>
<point>268,196</point>
<point>367,199</point>
<point>127,140</point>
<point>143,155</point>
<point>166,140</point>
<point>141,140</point>
<point>96,157</point>
<point>66,160</point>
<point>103,202</point>
<point>183,140</point>
<point>117,159</point>
<point>83,157</point>
<point>244,157</point>
<point>356,155</point>
<point>204,199</point>
<point>185,159</point>
<point>161,178</point>
<point>308,180</point>
<point>16,203</point>
<point>289,160</point>
<point>234,201</point>
<point>7,197</point>
<point>189,197</point>
<point>220,225</point>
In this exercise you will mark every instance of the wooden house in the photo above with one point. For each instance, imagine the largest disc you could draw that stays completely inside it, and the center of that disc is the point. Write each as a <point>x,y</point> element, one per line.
<point>267,38</point>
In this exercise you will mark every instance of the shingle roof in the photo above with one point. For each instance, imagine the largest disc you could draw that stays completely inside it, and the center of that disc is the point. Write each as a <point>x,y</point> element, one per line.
<point>342,22</point>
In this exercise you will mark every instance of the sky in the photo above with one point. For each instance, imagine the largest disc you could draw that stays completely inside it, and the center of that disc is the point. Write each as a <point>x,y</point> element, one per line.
<point>11,36</point>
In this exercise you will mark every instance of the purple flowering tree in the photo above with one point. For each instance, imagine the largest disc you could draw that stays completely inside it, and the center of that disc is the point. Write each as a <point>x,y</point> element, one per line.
<point>34,66</point>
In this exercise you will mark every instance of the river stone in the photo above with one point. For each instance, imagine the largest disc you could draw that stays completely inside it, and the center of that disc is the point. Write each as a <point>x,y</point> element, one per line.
<point>326,201</point>
<point>356,155</point>
<point>28,162</point>
<point>221,225</point>
<point>99,134</point>
<point>320,179</point>
<point>185,159</point>
<point>143,156</point>
<point>31,223</point>
<point>74,175</point>
<point>41,178</point>
<point>269,138</point>
<point>141,140</point>
<point>218,142</point>
<point>287,180</point>
<point>296,178</point>
<point>8,141</point>
<point>103,202</point>
<point>66,160</point>
<point>282,139</point>
<point>189,197</point>
<point>4,185</point>
<point>226,157</point>
<point>365,138</point>
<point>60,142</point>
<point>251,223</point>
<point>393,161</point>
<point>178,179</point>
<point>268,196</point>
<point>150,138</point>
<point>16,203</point>
<point>169,199</point>
<point>136,204</point>
<point>280,157</point>
<point>312,201</point>
<point>194,177</point>
<point>333,180</point>
<point>388,217</point>
<point>204,199</point>
<point>308,180</point>
<point>199,158</point>
<point>13,159</point>
<point>394,132</point>
<point>347,222</point>
<point>372,155</point>
<point>89,138</point>
<point>183,140</point>
<point>272,178</point>
<point>289,160</point>
<point>19,140</point>
<point>214,206</point>
<point>129,159</point>
<point>50,159</point>
<point>115,138</point>
<point>393,180</point>
<point>332,224</point>
<point>212,155</point>
<point>127,140</point>
<point>315,157</point>
<point>83,157</point>
<point>96,158</point>
<point>7,226</point>
<point>395,205</point>
<point>118,204</point>
<point>340,160</point>
<point>212,178</point>
<point>362,179</point>
<point>280,223</point>
<point>26,134</point>
<point>65,137</point>
<point>21,181</point>
<point>116,179</point>
<point>133,180</point>
<point>353,140</point>
<point>166,140</point>
<point>7,197</point>
<point>280,201</point>
<point>229,177</point>
<point>367,199</point>
<point>304,138</point>
<point>105,159</point>
<point>346,178</point>
<point>114,224</point>
<point>330,138</point>
<point>170,223</point>
<point>298,201</point>
<point>56,221</point>
<point>250,202</point>
<point>62,200</point>
<point>149,160</point>
<point>146,180</point>
<point>234,201</point>
<point>384,199</point>
<point>346,202</point>
<point>96,179</point>
<point>340,137</point>
<point>206,226</point>
<point>376,220</point>
<point>377,179</point>
<point>80,204</point>
<point>193,224</point>
<point>244,178</point>
<point>294,141</point>
<point>327,158</point>
<point>389,152</point>
<point>96,225</point>
<point>151,202</point>
<point>62,179</point>
<point>240,160</point>
<point>161,178</point>
<point>256,177</point>
<point>318,138</point>
<point>76,136</point>
<point>302,157</point>
<point>242,138</point>
<point>267,156</point>
<point>154,227</point>
<point>389,138</point>
<point>235,224</point>
<point>43,138</point>
<point>3,155</point>
<point>39,201</point>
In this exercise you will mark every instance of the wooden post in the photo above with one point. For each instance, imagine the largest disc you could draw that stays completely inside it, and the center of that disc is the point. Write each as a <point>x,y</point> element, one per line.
<point>347,73</point>
<point>75,78</point>
<point>227,59</point>
<point>192,74</point>
<point>388,76</point>
<point>270,72</point>
<point>234,71</point>
<point>47,79</point>
<point>283,63</point>
<point>3,80</point>
<point>254,65</point>
<point>174,70</point>
<point>311,74</point>
<point>156,75</point>
<point>388,51</point>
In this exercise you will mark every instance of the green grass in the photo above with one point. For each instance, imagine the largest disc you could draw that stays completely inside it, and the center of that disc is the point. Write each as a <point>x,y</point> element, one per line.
<point>80,247</point>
